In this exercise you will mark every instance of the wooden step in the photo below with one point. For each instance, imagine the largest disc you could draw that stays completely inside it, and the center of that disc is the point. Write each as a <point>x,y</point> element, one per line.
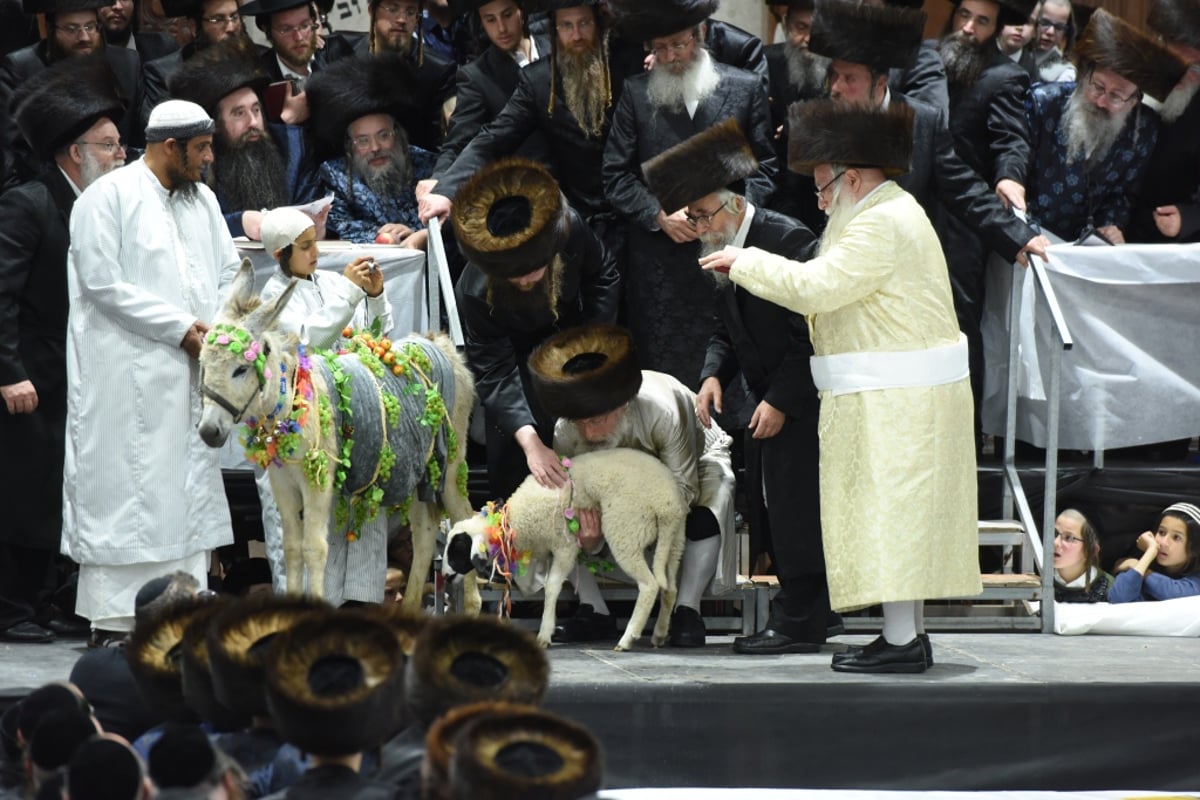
<point>1001,532</point>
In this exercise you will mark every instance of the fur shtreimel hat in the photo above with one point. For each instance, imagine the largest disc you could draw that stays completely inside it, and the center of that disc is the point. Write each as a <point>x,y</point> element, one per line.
<point>586,371</point>
<point>823,132</point>
<point>879,37</point>
<point>58,104</point>
<point>218,71</point>
<point>536,754</point>
<point>407,626</point>
<point>803,5</point>
<point>440,742</point>
<point>154,654</point>
<point>707,162</point>
<point>61,6</point>
<point>335,684</point>
<point>237,642</point>
<point>351,88</point>
<point>1176,21</point>
<point>510,218</point>
<point>1110,43</point>
<point>1012,12</point>
<point>641,21</point>
<point>462,660</point>
<point>198,690</point>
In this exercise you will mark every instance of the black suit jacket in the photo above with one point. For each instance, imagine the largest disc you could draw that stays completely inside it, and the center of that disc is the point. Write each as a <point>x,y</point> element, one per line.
<point>434,86</point>
<point>337,46</point>
<point>154,44</point>
<point>482,90</point>
<point>1172,179</point>
<point>925,80</point>
<point>988,123</point>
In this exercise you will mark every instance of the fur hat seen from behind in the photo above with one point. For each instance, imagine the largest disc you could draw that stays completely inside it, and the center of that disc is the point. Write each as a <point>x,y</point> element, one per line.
<point>643,20</point>
<point>510,218</point>
<point>1176,21</point>
<point>585,371</point>
<point>442,737</point>
<point>351,88</point>
<point>711,160</point>
<point>155,655</point>
<point>218,71</point>
<point>1112,44</point>
<point>879,37</point>
<point>406,625</point>
<point>57,104</point>
<point>335,683</point>
<point>462,660</point>
<point>198,690</point>
<point>823,132</point>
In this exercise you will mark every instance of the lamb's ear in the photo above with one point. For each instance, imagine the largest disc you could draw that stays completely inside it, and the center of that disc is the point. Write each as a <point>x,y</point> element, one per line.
<point>263,319</point>
<point>241,291</point>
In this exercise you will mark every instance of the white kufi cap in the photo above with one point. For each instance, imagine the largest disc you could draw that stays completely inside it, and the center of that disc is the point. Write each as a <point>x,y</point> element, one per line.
<point>177,119</point>
<point>282,226</point>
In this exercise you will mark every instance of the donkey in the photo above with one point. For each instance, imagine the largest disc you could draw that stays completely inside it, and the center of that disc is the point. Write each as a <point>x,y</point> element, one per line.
<point>297,407</point>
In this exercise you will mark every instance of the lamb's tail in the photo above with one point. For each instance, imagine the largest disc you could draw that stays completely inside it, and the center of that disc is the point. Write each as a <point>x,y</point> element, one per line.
<point>662,550</point>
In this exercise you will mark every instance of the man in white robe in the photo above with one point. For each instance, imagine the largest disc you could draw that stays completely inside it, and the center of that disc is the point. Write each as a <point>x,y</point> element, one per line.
<point>142,494</point>
<point>897,463</point>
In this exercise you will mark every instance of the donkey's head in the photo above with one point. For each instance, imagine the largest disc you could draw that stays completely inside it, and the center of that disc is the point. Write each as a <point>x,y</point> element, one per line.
<point>239,362</point>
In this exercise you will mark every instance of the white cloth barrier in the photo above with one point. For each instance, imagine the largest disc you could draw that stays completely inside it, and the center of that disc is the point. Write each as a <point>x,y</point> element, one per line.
<point>1132,376</point>
<point>872,794</point>
<point>1176,617</point>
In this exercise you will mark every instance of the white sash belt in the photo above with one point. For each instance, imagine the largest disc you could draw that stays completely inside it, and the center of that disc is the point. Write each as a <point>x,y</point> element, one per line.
<point>848,373</point>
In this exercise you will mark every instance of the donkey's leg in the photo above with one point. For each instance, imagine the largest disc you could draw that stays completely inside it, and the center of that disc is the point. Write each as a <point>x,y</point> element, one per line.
<point>423,521</point>
<point>317,505</point>
<point>560,567</point>
<point>290,502</point>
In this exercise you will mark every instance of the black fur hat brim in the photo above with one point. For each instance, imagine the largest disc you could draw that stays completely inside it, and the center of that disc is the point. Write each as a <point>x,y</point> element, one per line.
<point>711,160</point>
<point>196,674</point>
<point>61,102</point>
<point>643,20</point>
<point>536,754</point>
<point>879,37</point>
<point>1012,12</point>
<point>237,643</point>
<point>1112,44</point>
<point>586,371</point>
<point>351,88</point>
<point>61,6</point>
<point>1176,21</point>
<point>823,132</point>
<point>443,735</point>
<point>216,72</point>
<point>462,660</point>
<point>335,683</point>
<point>510,218</point>
<point>154,654</point>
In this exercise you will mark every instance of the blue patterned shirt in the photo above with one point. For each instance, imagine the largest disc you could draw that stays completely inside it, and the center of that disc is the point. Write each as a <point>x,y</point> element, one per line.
<point>1063,198</point>
<point>358,213</point>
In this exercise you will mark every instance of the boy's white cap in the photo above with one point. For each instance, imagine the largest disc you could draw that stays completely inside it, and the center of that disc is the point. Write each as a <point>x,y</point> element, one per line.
<point>283,226</point>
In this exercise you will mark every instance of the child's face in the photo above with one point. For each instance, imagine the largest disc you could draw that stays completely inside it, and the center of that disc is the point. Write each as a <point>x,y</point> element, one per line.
<point>1172,544</point>
<point>305,253</point>
<point>1068,543</point>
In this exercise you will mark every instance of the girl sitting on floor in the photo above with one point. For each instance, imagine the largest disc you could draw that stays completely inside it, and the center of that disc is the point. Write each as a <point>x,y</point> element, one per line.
<point>1077,574</point>
<point>1170,562</point>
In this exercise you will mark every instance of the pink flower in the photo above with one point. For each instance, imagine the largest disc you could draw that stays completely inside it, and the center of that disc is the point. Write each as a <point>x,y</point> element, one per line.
<point>267,374</point>
<point>566,462</point>
<point>250,355</point>
<point>223,339</point>
<point>569,513</point>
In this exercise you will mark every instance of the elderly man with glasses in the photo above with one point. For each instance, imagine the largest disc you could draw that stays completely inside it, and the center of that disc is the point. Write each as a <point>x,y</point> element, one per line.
<point>1092,140</point>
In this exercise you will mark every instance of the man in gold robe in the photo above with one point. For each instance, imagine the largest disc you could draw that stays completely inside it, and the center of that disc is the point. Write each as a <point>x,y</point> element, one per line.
<point>898,489</point>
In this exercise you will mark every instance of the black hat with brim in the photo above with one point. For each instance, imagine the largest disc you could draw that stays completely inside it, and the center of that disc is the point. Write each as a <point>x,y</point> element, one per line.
<point>714,159</point>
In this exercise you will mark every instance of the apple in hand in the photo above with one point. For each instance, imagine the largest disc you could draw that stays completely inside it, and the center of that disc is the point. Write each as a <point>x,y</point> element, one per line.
<point>385,238</point>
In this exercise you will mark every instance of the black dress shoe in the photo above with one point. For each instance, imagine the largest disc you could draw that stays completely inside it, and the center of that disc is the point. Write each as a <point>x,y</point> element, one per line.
<point>586,626</point>
<point>687,628</point>
<point>769,642</point>
<point>855,648</point>
<point>881,657</point>
<point>27,632</point>
<point>69,627</point>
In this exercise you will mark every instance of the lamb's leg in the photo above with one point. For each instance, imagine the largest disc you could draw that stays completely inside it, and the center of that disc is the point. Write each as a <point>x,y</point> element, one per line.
<point>316,538</point>
<point>560,567</point>
<point>423,521</point>
<point>632,560</point>
<point>290,503</point>
<point>472,602</point>
<point>672,541</point>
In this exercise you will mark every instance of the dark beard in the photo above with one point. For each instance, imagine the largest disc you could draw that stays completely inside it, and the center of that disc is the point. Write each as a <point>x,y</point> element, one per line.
<point>250,174</point>
<point>806,71</point>
<point>390,180</point>
<point>963,57</point>
<point>584,85</point>
<point>537,298</point>
<point>121,38</point>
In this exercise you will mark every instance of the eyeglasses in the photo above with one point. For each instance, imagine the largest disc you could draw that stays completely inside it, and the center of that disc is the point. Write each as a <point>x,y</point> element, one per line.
<point>107,147</point>
<point>1066,538</point>
<point>674,47</point>
<point>88,28</point>
<point>821,190</point>
<point>291,30</point>
<point>396,11</point>
<point>1058,27</point>
<point>570,27</point>
<point>222,19</point>
<point>705,219</point>
<point>1097,91</point>
<point>384,138</point>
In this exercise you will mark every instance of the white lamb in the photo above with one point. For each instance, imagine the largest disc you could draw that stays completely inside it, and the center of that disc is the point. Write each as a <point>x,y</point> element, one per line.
<point>640,506</point>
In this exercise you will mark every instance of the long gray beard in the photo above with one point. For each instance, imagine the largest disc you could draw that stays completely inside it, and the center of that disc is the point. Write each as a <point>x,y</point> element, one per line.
<point>392,178</point>
<point>1090,130</point>
<point>839,213</point>
<point>714,242</point>
<point>963,57</point>
<point>620,436</point>
<point>583,84</point>
<point>806,71</point>
<point>671,92</point>
<point>250,175</point>
<point>1177,101</point>
<point>91,168</point>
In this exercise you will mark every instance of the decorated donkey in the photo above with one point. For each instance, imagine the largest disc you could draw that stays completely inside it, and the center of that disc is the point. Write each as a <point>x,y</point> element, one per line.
<point>371,429</point>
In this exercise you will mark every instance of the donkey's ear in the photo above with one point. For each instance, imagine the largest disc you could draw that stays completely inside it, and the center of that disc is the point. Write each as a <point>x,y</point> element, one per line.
<point>241,292</point>
<point>263,319</point>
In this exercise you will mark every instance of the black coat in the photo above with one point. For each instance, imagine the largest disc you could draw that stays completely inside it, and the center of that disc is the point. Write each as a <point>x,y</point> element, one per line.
<point>333,781</point>
<point>337,46</point>
<point>156,74</point>
<point>154,44</point>
<point>794,196</point>
<point>987,120</point>
<point>1172,179</point>
<point>33,331</point>
<point>925,80</point>
<point>482,90</point>
<point>434,86</point>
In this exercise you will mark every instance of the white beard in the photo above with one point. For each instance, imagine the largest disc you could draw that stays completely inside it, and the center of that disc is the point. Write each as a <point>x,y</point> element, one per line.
<point>90,168</point>
<point>839,213</point>
<point>1178,101</point>
<point>673,92</point>
<point>806,71</point>
<point>1090,131</point>
<point>714,242</point>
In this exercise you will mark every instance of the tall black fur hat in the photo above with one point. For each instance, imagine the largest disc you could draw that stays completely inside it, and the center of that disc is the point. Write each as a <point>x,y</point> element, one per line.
<point>461,660</point>
<point>154,654</point>
<point>585,371</point>
<point>823,132</point>
<point>804,5</point>
<point>237,641</point>
<point>198,690</point>
<point>880,37</point>
<point>1176,21</point>
<point>510,218</point>
<point>713,159</point>
<point>61,6</point>
<point>355,87</point>
<point>442,737</point>
<point>1012,12</point>
<point>643,20</point>
<point>535,754</point>
<point>1111,43</point>
<point>335,683</point>
<point>58,104</point>
<point>406,625</point>
<point>217,71</point>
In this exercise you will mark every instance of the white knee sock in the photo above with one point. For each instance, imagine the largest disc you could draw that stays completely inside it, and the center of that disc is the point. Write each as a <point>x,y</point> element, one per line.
<point>899,622</point>
<point>697,570</point>
<point>920,616</point>
<point>588,590</point>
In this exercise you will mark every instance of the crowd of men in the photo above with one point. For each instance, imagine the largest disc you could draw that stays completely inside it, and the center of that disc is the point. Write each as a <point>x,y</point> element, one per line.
<point>585,156</point>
